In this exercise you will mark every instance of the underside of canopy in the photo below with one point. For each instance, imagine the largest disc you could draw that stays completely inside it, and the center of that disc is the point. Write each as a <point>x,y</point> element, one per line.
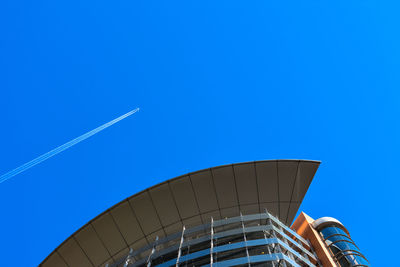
<point>192,199</point>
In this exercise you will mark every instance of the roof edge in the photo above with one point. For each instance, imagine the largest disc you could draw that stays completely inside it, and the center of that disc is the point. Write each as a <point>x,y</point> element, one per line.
<point>165,182</point>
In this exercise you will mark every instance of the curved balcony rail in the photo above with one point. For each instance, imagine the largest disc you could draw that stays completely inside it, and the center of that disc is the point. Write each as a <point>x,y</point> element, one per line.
<point>249,239</point>
<point>342,247</point>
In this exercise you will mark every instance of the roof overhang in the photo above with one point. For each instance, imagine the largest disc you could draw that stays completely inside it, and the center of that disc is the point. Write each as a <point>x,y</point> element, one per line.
<point>192,199</point>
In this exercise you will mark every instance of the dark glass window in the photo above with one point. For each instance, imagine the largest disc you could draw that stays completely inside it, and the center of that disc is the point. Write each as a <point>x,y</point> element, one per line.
<point>338,237</point>
<point>343,247</point>
<point>328,231</point>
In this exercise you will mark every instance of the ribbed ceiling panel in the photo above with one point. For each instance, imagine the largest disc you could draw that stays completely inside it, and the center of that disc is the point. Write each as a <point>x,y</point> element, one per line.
<point>192,199</point>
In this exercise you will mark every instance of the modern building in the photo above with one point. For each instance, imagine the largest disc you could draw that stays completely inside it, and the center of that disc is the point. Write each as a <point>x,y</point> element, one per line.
<point>330,240</point>
<point>232,215</point>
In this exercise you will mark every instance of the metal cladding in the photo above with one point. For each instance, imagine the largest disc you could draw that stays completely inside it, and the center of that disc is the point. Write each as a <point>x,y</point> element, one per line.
<point>189,200</point>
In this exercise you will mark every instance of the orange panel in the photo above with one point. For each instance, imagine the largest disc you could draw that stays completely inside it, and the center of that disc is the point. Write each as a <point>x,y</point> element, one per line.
<point>302,225</point>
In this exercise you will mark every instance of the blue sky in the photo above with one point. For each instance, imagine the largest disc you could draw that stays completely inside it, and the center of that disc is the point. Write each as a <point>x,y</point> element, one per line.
<point>217,82</point>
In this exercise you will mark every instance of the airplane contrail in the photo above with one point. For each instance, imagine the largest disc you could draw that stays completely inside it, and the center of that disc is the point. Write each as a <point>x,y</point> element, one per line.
<point>63,147</point>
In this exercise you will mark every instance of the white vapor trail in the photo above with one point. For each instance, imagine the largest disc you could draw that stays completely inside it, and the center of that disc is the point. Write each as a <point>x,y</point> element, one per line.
<point>63,147</point>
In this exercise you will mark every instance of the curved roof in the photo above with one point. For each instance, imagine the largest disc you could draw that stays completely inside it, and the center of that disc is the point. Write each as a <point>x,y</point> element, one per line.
<point>191,199</point>
<point>322,222</point>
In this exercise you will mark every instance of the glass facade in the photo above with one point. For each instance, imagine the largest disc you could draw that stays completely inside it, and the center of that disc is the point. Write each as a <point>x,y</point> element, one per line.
<point>248,240</point>
<point>343,249</point>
